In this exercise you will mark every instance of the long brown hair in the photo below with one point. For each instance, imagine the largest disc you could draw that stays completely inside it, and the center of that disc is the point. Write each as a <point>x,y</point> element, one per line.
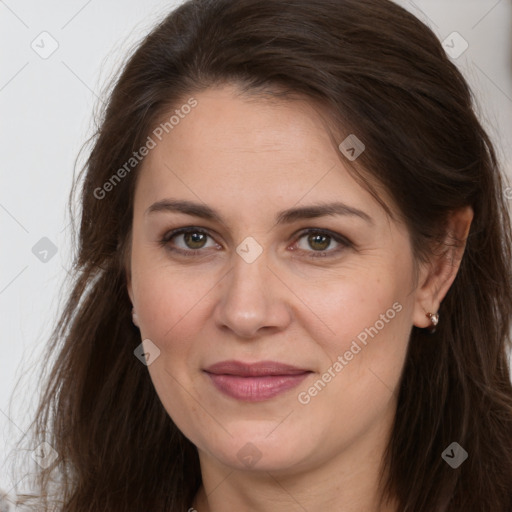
<point>381,74</point>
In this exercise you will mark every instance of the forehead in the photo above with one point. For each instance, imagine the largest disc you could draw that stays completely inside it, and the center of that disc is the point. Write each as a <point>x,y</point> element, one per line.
<point>269,151</point>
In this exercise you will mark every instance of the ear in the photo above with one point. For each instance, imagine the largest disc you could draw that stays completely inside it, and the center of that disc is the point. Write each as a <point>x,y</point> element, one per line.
<point>436,277</point>
<point>125,252</point>
<point>129,285</point>
<point>135,318</point>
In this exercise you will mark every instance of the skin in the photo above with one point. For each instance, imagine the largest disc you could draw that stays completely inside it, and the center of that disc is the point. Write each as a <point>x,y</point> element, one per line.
<point>249,160</point>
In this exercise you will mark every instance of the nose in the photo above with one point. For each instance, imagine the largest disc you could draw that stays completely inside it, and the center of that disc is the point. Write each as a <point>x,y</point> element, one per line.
<point>252,299</point>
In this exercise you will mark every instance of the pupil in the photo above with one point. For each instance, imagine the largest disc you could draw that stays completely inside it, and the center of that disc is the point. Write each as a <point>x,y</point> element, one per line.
<point>317,239</point>
<point>196,238</point>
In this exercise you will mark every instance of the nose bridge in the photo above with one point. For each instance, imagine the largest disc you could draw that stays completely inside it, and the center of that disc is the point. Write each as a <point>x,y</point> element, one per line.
<point>250,295</point>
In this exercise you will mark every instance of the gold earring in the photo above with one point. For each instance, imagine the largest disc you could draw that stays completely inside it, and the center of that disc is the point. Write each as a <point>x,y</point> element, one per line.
<point>434,320</point>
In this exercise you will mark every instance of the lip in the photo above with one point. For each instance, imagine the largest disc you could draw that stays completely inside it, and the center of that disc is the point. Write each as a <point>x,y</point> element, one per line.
<point>255,382</point>
<point>259,369</point>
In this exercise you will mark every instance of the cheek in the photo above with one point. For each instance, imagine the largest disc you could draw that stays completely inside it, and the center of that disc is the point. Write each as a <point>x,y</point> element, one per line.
<point>172,309</point>
<point>363,359</point>
<point>167,298</point>
<point>368,314</point>
<point>362,304</point>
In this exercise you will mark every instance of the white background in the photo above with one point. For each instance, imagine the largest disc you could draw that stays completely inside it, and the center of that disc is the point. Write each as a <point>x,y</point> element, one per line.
<point>46,110</point>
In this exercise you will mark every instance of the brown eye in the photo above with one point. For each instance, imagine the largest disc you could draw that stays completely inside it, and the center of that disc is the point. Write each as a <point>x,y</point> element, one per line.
<point>194,239</point>
<point>187,241</point>
<point>320,241</point>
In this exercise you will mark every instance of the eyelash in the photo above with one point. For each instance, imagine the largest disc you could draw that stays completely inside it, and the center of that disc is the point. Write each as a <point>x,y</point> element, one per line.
<point>344,242</point>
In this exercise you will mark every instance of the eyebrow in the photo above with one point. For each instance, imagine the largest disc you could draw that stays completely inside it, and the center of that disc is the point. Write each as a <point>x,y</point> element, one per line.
<point>284,217</point>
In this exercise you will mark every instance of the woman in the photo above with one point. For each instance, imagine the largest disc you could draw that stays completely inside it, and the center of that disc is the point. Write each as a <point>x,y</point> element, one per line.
<point>292,287</point>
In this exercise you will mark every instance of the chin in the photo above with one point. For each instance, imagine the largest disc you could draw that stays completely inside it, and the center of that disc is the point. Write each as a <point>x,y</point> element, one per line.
<point>255,450</point>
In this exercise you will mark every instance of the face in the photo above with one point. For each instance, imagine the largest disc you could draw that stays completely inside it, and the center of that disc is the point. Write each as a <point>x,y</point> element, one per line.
<point>330,295</point>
